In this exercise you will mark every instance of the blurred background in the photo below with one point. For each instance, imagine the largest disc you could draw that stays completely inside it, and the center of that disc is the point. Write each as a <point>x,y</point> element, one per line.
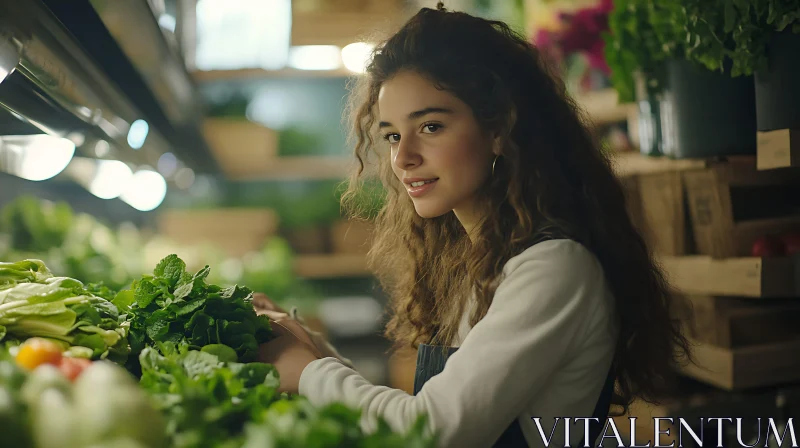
<point>132,129</point>
<point>212,129</point>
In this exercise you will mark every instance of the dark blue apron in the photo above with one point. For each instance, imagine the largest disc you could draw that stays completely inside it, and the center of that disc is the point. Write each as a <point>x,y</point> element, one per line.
<point>431,360</point>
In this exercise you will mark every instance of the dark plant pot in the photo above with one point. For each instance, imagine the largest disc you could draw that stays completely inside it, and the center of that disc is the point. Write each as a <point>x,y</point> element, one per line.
<point>309,239</point>
<point>649,124</point>
<point>778,87</point>
<point>707,114</point>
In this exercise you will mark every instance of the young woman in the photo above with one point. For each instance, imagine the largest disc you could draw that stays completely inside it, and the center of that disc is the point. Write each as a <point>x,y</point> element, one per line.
<point>504,244</point>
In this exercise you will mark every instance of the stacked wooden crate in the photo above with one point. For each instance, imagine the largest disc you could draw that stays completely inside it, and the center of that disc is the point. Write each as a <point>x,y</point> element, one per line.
<point>703,220</point>
<point>233,231</point>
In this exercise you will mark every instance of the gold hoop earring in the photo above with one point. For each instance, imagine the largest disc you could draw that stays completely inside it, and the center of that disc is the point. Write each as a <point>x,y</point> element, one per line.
<point>493,163</point>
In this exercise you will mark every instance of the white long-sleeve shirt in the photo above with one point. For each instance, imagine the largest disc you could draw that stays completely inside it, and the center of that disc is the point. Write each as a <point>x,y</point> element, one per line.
<point>543,350</point>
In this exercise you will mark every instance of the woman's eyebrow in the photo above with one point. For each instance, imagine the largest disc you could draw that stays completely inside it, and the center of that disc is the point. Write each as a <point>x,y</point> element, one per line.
<point>419,114</point>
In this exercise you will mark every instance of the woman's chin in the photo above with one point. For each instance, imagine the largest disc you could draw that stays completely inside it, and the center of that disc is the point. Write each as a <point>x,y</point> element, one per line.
<point>428,211</point>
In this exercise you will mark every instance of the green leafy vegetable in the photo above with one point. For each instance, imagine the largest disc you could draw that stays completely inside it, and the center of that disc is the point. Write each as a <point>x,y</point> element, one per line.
<point>292,423</point>
<point>207,401</point>
<point>175,306</point>
<point>735,31</point>
<point>33,303</point>
<point>22,272</point>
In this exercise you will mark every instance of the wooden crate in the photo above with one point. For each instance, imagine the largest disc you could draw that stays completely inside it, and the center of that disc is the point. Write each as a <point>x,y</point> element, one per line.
<point>732,204</point>
<point>234,231</point>
<point>242,148</point>
<point>312,240</point>
<point>778,149</point>
<point>331,266</point>
<point>734,322</point>
<point>655,192</point>
<point>351,237</point>
<point>746,367</point>
<point>741,277</point>
<point>663,210</point>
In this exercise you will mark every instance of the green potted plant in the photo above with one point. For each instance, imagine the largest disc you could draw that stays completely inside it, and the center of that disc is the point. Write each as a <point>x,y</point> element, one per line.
<point>759,37</point>
<point>636,57</point>
<point>693,111</point>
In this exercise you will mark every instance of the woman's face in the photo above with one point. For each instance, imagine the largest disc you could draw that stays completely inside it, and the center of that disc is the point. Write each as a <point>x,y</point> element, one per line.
<point>434,137</point>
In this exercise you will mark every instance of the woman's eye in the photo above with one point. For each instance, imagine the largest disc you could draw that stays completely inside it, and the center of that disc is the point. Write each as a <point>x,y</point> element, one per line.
<point>392,138</point>
<point>431,128</point>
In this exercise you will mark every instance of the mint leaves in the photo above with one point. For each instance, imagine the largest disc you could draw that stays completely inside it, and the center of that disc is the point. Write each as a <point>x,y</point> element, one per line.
<point>174,306</point>
<point>207,401</point>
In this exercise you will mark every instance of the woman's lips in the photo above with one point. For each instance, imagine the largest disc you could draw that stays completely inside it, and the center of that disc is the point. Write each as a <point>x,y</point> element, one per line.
<point>416,192</point>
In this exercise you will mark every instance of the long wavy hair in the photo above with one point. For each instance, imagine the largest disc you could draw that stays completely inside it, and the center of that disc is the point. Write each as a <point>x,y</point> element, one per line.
<point>551,180</point>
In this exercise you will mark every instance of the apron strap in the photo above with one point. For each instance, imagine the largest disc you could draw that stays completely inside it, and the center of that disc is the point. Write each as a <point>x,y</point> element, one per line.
<point>602,408</point>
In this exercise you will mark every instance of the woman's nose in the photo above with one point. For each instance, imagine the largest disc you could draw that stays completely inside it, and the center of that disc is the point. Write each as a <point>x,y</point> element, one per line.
<point>407,155</point>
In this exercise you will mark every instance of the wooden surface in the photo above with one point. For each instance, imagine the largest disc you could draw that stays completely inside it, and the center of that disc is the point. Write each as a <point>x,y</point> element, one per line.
<point>779,149</point>
<point>603,107</point>
<point>721,196</point>
<point>748,367</point>
<point>309,240</point>
<point>742,277</point>
<point>634,163</point>
<point>249,74</point>
<point>302,167</point>
<point>343,28</point>
<point>241,147</point>
<point>331,266</point>
<point>351,237</point>
<point>734,322</point>
<point>662,198</point>
<point>233,231</point>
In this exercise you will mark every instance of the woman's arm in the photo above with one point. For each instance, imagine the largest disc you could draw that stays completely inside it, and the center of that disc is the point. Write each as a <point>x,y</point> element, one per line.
<point>539,310</point>
<point>323,345</point>
<point>262,304</point>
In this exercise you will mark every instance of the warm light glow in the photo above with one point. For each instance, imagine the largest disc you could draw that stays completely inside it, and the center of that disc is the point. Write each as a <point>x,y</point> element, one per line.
<point>167,22</point>
<point>111,179</point>
<point>137,134</point>
<point>36,157</point>
<point>356,56</point>
<point>236,34</point>
<point>146,191</point>
<point>101,148</point>
<point>315,57</point>
<point>184,178</point>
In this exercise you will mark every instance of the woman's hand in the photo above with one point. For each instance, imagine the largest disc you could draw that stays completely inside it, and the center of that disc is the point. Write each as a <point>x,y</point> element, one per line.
<point>290,352</point>
<point>263,303</point>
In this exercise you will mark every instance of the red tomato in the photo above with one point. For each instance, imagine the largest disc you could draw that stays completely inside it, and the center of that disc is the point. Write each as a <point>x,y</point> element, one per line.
<point>768,246</point>
<point>73,367</point>
<point>791,242</point>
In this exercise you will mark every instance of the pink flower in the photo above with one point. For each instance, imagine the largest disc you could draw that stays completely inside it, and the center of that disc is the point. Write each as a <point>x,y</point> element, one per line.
<point>581,33</point>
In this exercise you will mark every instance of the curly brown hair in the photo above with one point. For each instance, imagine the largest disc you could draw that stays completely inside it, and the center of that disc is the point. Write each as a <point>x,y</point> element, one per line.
<point>551,179</point>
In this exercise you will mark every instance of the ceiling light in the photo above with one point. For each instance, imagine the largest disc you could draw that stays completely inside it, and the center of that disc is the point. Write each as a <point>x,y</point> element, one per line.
<point>315,57</point>
<point>146,191</point>
<point>137,134</point>
<point>184,178</point>
<point>111,179</point>
<point>35,157</point>
<point>356,56</point>
<point>101,148</point>
<point>236,34</point>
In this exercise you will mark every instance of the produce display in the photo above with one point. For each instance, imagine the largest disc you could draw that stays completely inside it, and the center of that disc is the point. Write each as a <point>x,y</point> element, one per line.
<point>786,244</point>
<point>79,246</point>
<point>169,362</point>
<point>73,244</point>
